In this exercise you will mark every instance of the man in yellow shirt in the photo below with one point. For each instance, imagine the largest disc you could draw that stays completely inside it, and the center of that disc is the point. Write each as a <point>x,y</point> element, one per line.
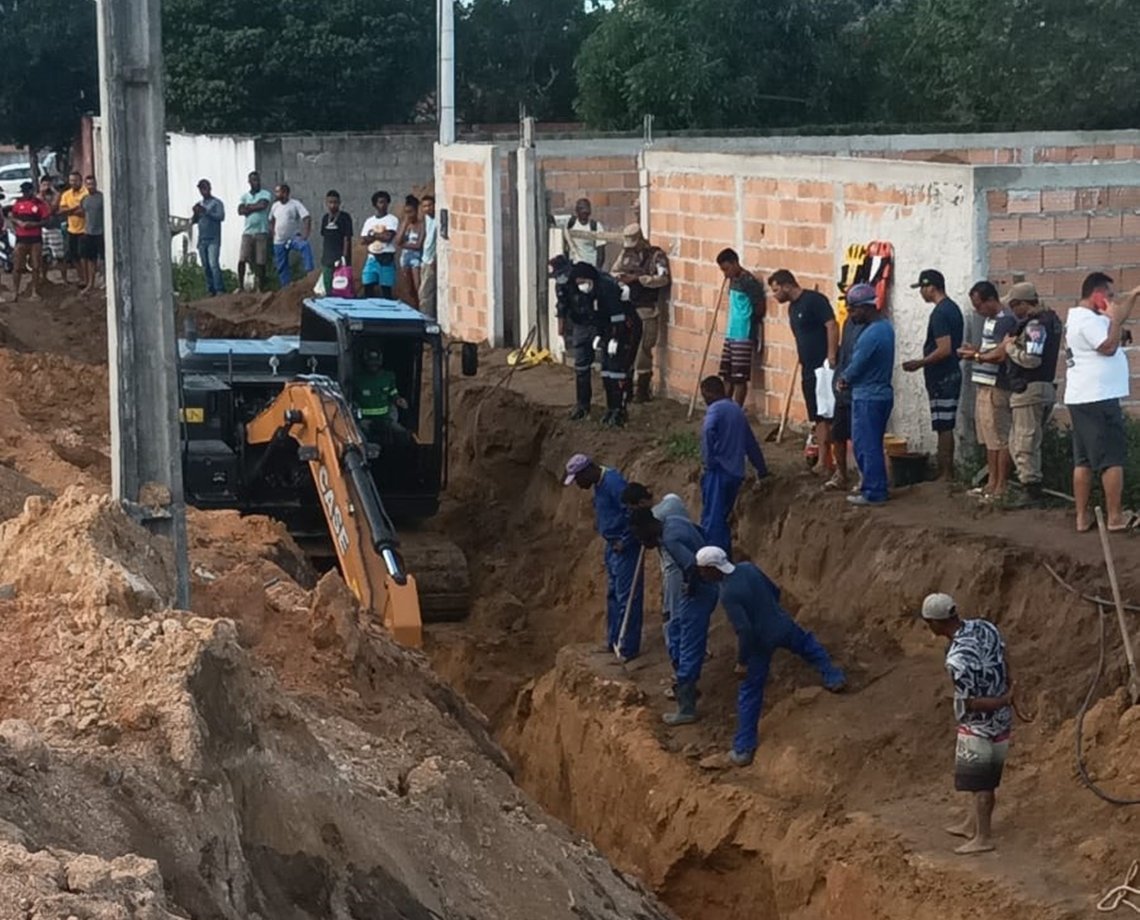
<point>71,207</point>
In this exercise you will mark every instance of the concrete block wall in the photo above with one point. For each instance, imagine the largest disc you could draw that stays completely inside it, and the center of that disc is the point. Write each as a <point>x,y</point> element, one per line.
<point>468,186</point>
<point>355,165</point>
<point>1056,224</point>
<point>801,213</point>
<point>610,182</point>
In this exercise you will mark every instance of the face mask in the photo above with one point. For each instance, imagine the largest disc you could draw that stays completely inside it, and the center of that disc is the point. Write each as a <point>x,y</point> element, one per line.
<point>561,279</point>
<point>586,287</point>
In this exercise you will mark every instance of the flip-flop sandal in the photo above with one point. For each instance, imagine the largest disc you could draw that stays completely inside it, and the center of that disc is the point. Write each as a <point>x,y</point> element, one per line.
<point>1087,529</point>
<point>1131,522</point>
<point>835,485</point>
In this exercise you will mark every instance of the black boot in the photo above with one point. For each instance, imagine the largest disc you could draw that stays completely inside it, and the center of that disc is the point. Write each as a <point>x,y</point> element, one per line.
<point>579,413</point>
<point>686,712</point>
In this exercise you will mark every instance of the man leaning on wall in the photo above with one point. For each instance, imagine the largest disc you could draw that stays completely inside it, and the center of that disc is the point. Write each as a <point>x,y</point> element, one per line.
<point>643,272</point>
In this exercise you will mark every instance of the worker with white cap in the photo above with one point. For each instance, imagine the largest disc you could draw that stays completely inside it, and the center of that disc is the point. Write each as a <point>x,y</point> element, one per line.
<point>643,271</point>
<point>983,705</point>
<point>752,602</point>
<point>623,574</point>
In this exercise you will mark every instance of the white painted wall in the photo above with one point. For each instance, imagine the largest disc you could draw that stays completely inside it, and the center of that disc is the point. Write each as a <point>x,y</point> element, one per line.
<point>936,232</point>
<point>226,162</point>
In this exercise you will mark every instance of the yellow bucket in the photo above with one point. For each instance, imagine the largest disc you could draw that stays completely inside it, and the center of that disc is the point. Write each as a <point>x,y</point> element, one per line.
<point>894,445</point>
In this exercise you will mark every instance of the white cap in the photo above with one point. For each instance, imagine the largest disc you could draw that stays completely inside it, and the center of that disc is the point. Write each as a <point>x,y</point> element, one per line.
<point>713,557</point>
<point>939,607</point>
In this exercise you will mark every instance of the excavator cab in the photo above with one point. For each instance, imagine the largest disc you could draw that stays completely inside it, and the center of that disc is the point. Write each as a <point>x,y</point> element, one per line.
<point>263,420</point>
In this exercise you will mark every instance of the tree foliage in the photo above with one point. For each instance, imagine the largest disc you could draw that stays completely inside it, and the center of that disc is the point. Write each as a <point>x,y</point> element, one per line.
<point>518,52</point>
<point>247,66</point>
<point>700,64</point>
<point>49,73</point>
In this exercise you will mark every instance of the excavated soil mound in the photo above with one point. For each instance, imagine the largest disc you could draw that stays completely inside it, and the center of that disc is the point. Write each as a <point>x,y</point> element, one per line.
<point>64,322</point>
<point>244,315</point>
<point>154,768</point>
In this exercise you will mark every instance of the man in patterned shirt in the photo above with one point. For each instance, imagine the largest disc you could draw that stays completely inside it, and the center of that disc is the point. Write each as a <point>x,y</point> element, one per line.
<point>983,705</point>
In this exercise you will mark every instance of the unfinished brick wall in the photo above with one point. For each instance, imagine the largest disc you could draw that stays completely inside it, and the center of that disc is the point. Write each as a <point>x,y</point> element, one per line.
<point>610,182</point>
<point>467,285</point>
<point>799,214</point>
<point>1056,236</point>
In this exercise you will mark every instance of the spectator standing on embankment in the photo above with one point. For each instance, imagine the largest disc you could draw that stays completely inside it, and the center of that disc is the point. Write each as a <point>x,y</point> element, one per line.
<point>1032,352</point>
<point>939,365</point>
<point>290,225</point>
<point>93,248</point>
<point>992,411</point>
<point>254,206</point>
<point>208,215</point>
<point>1096,382</point>
<point>747,302</point>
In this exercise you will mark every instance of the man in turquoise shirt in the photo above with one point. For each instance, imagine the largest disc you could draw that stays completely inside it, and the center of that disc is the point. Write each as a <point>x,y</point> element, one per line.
<point>254,207</point>
<point>747,302</point>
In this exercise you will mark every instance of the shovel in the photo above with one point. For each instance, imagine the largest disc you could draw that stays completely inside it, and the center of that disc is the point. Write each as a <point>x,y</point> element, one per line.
<point>629,605</point>
<point>1133,679</point>
<point>777,434</point>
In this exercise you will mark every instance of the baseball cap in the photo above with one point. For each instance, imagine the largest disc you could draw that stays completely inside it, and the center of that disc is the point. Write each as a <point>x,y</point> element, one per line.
<point>27,186</point>
<point>1023,291</point>
<point>939,607</point>
<point>860,294</point>
<point>713,557</point>
<point>376,247</point>
<point>931,276</point>
<point>574,466</point>
<point>559,265</point>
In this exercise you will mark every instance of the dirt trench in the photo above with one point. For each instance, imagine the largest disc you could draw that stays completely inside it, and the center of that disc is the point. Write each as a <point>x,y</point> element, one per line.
<point>840,816</point>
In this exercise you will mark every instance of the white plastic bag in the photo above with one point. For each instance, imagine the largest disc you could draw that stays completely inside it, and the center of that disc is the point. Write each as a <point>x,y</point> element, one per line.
<point>824,394</point>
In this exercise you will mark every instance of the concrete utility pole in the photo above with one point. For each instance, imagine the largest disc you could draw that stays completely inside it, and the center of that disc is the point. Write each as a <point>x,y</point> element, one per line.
<point>145,449</point>
<point>446,100</point>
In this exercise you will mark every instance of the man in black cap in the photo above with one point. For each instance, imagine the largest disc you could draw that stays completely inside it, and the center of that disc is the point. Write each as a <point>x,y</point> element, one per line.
<point>619,336</point>
<point>939,363</point>
<point>578,326</point>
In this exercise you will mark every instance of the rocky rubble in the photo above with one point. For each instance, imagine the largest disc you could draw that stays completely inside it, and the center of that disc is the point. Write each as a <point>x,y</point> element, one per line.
<point>154,765</point>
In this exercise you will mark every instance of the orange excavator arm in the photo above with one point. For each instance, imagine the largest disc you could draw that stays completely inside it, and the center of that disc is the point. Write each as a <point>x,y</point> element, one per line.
<point>313,412</point>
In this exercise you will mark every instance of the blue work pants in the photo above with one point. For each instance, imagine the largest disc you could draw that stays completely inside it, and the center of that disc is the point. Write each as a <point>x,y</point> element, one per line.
<point>692,633</point>
<point>281,258</point>
<point>718,496</point>
<point>620,569</point>
<point>869,419</point>
<point>750,697</point>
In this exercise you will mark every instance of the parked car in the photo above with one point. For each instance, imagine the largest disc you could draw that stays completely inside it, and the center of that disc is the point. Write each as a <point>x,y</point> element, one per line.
<point>11,177</point>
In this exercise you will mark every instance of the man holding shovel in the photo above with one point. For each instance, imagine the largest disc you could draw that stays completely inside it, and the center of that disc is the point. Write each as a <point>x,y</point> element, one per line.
<point>625,577</point>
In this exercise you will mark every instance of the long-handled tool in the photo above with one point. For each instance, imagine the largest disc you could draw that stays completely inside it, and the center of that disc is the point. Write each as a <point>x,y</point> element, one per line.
<point>777,434</point>
<point>708,345</point>
<point>1133,680</point>
<point>629,605</point>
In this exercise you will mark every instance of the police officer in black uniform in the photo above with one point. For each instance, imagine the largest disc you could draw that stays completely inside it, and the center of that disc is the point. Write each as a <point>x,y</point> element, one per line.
<point>619,336</point>
<point>578,325</point>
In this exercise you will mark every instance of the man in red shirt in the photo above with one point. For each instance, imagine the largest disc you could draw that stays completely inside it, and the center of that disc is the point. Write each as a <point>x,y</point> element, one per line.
<point>29,214</point>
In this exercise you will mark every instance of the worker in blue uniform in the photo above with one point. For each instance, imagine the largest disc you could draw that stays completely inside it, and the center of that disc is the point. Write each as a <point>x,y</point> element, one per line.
<point>752,602</point>
<point>726,439</point>
<point>622,551</point>
<point>681,539</point>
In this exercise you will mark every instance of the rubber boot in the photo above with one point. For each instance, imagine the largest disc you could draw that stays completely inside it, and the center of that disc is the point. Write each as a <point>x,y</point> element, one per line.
<point>641,393</point>
<point>686,712</point>
<point>739,758</point>
<point>583,394</point>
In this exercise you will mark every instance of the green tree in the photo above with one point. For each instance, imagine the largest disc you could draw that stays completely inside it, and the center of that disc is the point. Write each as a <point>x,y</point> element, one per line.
<point>49,70</point>
<point>247,66</point>
<point>518,52</point>
<point>697,64</point>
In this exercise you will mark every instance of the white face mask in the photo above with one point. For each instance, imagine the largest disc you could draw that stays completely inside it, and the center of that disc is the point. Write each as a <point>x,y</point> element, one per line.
<point>586,287</point>
<point>561,279</point>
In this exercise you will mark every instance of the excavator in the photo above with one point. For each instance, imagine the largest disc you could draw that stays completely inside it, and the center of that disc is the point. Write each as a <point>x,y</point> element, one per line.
<point>288,427</point>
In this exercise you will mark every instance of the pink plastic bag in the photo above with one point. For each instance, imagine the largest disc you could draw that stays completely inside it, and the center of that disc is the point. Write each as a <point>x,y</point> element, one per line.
<point>342,284</point>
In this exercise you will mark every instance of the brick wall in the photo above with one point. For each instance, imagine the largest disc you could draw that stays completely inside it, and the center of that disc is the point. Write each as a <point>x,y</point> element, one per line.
<point>470,271</point>
<point>801,214</point>
<point>1057,234</point>
<point>610,182</point>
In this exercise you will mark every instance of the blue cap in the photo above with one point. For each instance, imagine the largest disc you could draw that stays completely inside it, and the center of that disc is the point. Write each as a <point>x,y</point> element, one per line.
<point>859,294</point>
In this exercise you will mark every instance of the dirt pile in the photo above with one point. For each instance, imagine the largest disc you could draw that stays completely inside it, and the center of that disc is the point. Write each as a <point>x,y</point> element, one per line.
<point>155,767</point>
<point>840,816</point>
<point>64,322</point>
<point>245,315</point>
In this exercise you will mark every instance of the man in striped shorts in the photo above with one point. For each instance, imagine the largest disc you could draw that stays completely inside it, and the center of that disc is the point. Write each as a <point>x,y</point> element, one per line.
<point>743,334</point>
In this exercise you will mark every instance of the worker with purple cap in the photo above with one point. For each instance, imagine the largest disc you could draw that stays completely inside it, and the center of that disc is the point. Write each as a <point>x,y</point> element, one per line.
<point>751,601</point>
<point>623,575</point>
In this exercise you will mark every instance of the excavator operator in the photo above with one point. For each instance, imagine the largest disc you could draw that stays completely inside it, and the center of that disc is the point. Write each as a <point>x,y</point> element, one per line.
<point>378,399</point>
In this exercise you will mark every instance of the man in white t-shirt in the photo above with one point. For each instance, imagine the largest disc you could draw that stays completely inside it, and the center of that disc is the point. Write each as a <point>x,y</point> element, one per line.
<point>382,228</point>
<point>1096,381</point>
<point>290,225</point>
<point>580,245</point>
<point>427,270</point>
